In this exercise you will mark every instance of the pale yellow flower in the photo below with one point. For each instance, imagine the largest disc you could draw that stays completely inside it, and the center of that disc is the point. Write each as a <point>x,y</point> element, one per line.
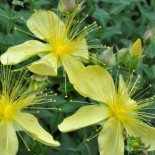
<point>117,111</point>
<point>62,45</point>
<point>14,98</point>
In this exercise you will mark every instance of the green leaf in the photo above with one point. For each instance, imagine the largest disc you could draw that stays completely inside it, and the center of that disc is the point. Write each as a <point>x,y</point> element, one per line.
<point>109,31</point>
<point>17,2</point>
<point>70,106</point>
<point>148,70</point>
<point>149,15</point>
<point>117,1</point>
<point>55,120</point>
<point>101,15</point>
<point>115,9</point>
<point>150,50</point>
<point>67,141</point>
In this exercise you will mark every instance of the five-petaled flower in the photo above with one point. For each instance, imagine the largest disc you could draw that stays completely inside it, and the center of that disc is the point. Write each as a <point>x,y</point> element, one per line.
<point>14,97</point>
<point>61,45</point>
<point>117,111</point>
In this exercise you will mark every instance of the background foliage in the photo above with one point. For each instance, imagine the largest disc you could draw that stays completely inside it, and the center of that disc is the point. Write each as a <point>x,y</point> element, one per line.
<point>121,21</point>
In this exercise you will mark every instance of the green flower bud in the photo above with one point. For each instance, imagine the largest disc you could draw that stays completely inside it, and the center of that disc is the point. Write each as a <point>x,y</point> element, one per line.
<point>38,81</point>
<point>37,77</point>
<point>123,55</point>
<point>94,58</point>
<point>66,6</point>
<point>134,144</point>
<point>108,57</point>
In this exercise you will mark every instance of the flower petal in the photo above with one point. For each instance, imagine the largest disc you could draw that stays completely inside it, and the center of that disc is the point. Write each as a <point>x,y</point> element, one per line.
<point>47,65</point>
<point>110,139</point>
<point>19,53</point>
<point>8,139</point>
<point>85,116</point>
<point>72,67</point>
<point>46,25</point>
<point>80,48</point>
<point>137,128</point>
<point>95,82</point>
<point>123,92</point>
<point>30,124</point>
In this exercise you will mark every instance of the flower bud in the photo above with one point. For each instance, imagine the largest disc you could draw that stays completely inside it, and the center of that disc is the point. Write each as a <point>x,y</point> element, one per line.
<point>123,55</point>
<point>108,57</point>
<point>149,34</point>
<point>38,81</point>
<point>66,5</point>
<point>136,49</point>
<point>134,144</point>
<point>37,77</point>
<point>94,58</point>
<point>80,6</point>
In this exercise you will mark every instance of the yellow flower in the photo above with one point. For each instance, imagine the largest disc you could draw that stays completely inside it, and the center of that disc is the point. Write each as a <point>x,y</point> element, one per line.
<point>117,110</point>
<point>62,45</point>
<point>14,97</point>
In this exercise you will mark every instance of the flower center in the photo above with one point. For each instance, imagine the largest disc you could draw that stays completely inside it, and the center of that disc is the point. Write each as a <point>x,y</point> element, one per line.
<point>60,49</point>
<point>119,112</point>
<point>7,112</point>
<point>60,46</point>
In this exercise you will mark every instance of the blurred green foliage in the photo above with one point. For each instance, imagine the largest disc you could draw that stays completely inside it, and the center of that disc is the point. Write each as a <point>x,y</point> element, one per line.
<point>121,21</point>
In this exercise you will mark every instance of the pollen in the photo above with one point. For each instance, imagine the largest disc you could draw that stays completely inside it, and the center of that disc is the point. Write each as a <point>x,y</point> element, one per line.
<point>59,47</point>
<point>119,112</point>
<point>7,112</point>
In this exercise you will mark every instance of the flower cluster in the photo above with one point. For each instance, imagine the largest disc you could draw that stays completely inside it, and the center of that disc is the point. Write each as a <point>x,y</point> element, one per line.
<point>59,43</point>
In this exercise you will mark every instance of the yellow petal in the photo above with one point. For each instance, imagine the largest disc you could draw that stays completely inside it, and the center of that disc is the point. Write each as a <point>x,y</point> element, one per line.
<point>110,139</point>
<point>72,67</point>
<point>85,116</point>
<point>137,128</point>
<point>47,65</point>
<point>136,49</point>
<point>19,53</point>
<point>96,83</point>
<point>80,48</point>
<point>30,124</point>
<point>46,25</point>
<point>8,139</point>
<point>123,92</point>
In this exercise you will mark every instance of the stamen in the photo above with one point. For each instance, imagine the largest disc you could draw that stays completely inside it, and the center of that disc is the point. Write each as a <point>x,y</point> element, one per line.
<point>74,101</point>
<point>28,149</point>
<point>22,18</point>
<point>42,108</point>
<point>97,60</point>
<point>65,84</point>
<point>92,137</point>
<point>24,32</point>
<point>141,93</point>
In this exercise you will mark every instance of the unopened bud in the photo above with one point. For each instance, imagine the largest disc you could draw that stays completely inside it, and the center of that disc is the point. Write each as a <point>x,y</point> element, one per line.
<point>94,58</point>
<point>122,54</point>
<point>136,49</point>
<point>66,5</point>
<point>38,81</point>
<point>80,6</point>
<point>134,144</point>
<point>108,57</point>
<point>149,33</point>
<point>37,77</point>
